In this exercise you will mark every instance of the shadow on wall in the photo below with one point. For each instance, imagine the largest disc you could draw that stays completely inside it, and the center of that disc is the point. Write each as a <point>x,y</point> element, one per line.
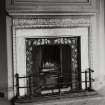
<point>99,85</point>
<point>4,101</point>
<point>101,91</point>
<point>1,94</point>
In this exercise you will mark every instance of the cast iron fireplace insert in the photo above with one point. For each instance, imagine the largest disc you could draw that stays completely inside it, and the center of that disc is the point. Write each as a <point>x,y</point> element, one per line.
<point>53,64</point>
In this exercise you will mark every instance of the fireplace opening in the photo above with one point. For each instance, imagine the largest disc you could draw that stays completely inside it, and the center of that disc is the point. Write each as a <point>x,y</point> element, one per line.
<point>53,65</point>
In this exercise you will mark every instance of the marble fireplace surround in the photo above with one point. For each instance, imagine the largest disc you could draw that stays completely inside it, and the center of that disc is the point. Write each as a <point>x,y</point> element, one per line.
<point>56,26</point>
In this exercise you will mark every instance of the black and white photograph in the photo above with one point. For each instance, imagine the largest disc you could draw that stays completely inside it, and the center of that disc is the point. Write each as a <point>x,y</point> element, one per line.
<point>52,52</point>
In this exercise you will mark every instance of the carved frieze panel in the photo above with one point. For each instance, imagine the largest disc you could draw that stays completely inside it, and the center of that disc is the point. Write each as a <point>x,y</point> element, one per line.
<point>51,21</point>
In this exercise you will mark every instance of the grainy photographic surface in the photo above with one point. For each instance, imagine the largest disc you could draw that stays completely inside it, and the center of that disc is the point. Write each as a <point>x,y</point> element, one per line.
<point>52,52</point>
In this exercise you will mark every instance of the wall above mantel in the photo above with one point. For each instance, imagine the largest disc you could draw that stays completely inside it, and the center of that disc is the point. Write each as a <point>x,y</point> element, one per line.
<point>32,6</point>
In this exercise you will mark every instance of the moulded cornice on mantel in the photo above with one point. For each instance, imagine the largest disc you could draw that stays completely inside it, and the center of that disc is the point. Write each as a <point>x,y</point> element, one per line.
<point>45,6</point>
<point>51,14</point>
<point>48,2</point>
<point>51,1</point>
